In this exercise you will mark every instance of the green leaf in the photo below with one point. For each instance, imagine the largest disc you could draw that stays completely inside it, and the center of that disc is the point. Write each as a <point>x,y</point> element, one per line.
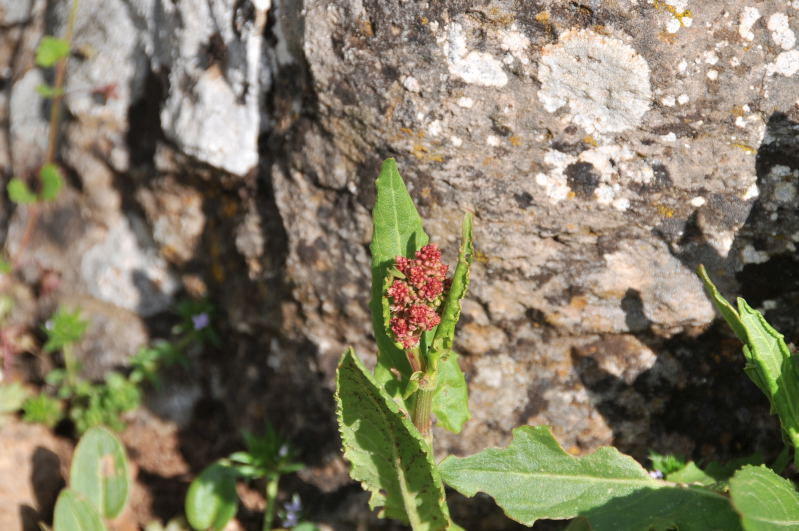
<point>211,501</point>
<point>764,499</point>
<point>669,508</point>
<point>43,409</point>
<point>12,396</point>
<point>691,473</point>
<point>5,268</point>
<point>725,308</point>
<point>52,181</point>
<point>64,328</point>
<point>771,360</point>
<point>534,478</point>
<point>714,472</point>
<point>73,512</point>
<point>451,397</point>
<point>48,91</point>
<point>770,363</point>
<point>388,454</point>
<point>51,50</point>
<point>398,231</point>
<point>99,471</point>
<point>445,333</point>
<point>19,193</point>
<point>666,463</point>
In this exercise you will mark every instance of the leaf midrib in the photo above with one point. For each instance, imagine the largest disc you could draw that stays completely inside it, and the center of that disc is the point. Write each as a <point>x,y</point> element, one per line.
<point>633,482</point>
<point>408,499</point>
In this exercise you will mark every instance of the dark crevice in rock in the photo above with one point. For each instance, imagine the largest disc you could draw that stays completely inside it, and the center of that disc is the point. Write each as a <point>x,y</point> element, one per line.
<point>665,404</point>
<point>144,123</point>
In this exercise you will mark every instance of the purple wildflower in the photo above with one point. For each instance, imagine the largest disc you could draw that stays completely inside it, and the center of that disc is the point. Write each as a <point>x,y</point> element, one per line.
<point>200,321</point>
<point>292,509</point>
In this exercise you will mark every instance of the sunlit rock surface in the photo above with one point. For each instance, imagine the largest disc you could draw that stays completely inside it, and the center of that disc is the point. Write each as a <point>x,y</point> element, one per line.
<point>605,148</point>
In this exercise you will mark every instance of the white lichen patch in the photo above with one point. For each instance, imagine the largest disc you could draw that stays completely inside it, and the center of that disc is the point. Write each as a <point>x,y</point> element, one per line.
<point>751,192</point>
<point>516,43</point>
<point>785,192</point>
<point>786,64</point>
<point>680,15</point>
<point>466,103</point>
<point>746,20</point>
<point>478,68</point>
<point>750,255</point>
<point>781,32</point>
<point>604,82</point>
<point>710,57</point>
<point>609,163</point>
<point>411,84</point>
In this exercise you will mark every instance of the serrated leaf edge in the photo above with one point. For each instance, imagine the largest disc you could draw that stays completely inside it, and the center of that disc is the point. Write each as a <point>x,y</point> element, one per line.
<point>409,501</point>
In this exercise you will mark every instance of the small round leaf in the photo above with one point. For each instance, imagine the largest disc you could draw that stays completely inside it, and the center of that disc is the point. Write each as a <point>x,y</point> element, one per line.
<point>211,501</point>
<point>73,512</point>
<point>99,471</point>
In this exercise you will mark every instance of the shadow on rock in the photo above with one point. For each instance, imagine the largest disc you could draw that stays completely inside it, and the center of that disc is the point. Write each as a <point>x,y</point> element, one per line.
<point>695,399</point>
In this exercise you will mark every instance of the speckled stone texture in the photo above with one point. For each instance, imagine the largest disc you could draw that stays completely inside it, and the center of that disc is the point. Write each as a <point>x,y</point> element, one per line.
<point>605,148</point>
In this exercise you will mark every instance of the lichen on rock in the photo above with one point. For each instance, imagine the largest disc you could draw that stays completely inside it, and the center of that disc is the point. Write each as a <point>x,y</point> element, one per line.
<point>604,81</point>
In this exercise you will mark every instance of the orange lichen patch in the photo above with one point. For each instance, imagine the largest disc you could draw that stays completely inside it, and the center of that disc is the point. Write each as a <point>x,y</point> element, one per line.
<point>170,253</point>
<point>217,271</point>
<point>479,256</point>
<point>571,195</point>
<point>515,141</point>
<point>679,15</point>
<point>407,131</point>
<point>543,17</point>
<point>215,251</point>
<point>366,27</point>
<point>499,17</point>
<point>667,37</point>
<point>229,208</point>
<point>591,141</point>
<point>738,111</point>
<point>745,147</point>
<point>424,20</point>
<point>578,302</point>
<point>423,153</point>
<point>665,211</point>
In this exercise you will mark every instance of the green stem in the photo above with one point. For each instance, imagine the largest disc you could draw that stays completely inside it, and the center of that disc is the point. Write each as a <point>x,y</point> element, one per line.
<point>183,342</point>
<point>421,413</point>
<point>60,77</point>
<point>271,501</point>
<point>52,139</point>
<point>70,365</point>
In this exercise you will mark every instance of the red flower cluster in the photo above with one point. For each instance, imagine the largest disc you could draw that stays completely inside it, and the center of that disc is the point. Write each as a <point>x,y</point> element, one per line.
<point>415,299</point>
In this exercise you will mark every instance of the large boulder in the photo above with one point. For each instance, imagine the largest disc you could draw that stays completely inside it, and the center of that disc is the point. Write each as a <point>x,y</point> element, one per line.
<point>605,148</point>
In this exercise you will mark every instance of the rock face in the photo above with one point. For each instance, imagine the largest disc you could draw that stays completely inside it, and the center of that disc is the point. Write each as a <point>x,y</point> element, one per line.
<point>605,148</point>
